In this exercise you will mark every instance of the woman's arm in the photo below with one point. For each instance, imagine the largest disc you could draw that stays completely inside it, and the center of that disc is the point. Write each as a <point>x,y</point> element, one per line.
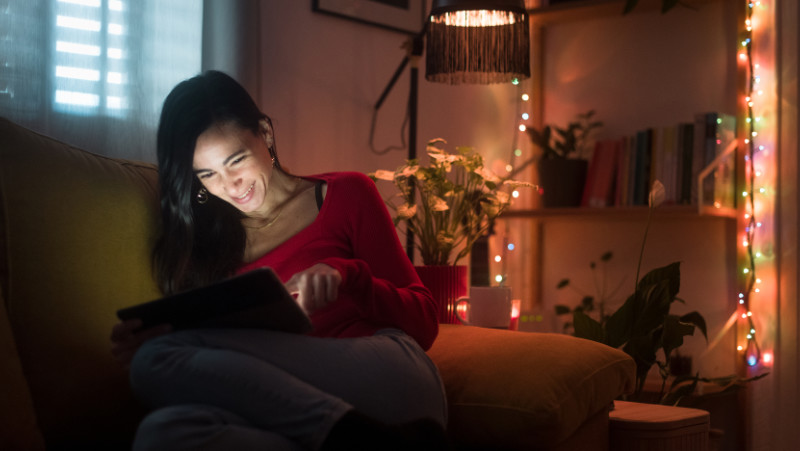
<point>380,276</point>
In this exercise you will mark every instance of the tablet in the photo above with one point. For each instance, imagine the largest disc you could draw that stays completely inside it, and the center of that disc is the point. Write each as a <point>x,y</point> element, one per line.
<point>255,299</point>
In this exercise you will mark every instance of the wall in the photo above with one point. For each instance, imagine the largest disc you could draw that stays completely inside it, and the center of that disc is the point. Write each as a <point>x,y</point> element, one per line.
<point>321,76</point>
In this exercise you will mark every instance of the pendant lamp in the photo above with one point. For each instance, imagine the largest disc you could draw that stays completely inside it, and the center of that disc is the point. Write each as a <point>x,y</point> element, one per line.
<point>473,41</point>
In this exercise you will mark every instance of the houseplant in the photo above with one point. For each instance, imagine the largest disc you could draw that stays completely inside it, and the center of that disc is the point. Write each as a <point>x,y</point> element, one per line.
<point>447,205</point>
<point>564,159</point>
<point>644,324</point>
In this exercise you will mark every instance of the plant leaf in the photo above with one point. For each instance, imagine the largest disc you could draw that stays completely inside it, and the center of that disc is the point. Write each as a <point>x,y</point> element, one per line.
<point>587,327</point>
<point>562,310</point>
<point>671,272</point>
<point>666,5</point>
<point>673,333</point>
<point>563,283</point>
<point>620,324</point>
<point>697,320</point>
<point>629,5</point>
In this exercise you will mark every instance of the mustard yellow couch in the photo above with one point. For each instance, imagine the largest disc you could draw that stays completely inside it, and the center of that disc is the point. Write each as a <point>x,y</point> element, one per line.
<point>76,231</point>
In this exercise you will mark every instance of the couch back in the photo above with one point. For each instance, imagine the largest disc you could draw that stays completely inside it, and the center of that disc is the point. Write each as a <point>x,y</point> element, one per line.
<point>76,232</point>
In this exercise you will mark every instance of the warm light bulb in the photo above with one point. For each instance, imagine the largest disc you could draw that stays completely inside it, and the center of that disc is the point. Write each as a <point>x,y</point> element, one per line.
<point>525,97</point>
<point>522,127</point>
<point>525,116</point>
<point>515,194</point>
<point>498,278</point>
<point>498,258</point>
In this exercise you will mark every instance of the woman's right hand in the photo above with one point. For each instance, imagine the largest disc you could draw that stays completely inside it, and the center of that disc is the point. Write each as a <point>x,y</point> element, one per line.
<point>125,339</point>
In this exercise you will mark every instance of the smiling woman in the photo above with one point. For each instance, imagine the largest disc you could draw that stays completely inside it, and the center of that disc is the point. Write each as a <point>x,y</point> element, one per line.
<point>361,379</point>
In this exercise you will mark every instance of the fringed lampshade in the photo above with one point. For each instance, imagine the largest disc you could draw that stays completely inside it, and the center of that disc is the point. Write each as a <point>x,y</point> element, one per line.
<point>472,41</point>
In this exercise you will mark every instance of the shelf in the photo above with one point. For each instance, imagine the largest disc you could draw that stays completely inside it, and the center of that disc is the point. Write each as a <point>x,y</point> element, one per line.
<point>679,212</point>
<point>591,9</point>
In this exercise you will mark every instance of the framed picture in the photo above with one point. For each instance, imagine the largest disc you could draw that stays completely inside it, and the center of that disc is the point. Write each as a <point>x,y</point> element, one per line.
<point>401,15</point>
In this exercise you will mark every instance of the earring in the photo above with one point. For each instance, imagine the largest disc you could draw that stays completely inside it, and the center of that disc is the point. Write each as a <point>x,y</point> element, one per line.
<point>273,162</point>
<point>202,196</point>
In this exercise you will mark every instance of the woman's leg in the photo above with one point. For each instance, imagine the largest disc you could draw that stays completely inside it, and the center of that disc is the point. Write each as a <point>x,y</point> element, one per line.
<point>294,385</point>
<point>199,428</point>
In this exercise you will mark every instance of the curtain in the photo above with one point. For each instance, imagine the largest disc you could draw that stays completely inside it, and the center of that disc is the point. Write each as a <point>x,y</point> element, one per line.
<point>94,73</point>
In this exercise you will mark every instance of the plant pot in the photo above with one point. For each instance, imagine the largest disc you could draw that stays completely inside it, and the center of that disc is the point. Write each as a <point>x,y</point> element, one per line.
<point>447,283</point>
<point>562,181</point>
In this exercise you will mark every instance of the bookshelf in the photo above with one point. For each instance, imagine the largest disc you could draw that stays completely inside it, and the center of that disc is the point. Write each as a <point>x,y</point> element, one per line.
<point>695,75</point>
<point>552,102</point>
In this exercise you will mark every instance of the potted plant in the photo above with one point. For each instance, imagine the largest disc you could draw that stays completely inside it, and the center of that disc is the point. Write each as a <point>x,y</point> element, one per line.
<point>644,325</point>
<point>447,205</point>
<point>564,159</point>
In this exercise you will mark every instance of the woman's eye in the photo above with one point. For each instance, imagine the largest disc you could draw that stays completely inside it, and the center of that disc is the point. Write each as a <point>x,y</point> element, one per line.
<point>205,175</point>
<point>237,160</point>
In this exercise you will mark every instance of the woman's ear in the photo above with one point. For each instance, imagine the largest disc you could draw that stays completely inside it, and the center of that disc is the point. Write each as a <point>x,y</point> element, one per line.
<point>266,131</point>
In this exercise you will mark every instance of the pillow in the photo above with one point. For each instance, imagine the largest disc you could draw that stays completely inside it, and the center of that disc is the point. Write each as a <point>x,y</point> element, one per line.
<point>518,390</point>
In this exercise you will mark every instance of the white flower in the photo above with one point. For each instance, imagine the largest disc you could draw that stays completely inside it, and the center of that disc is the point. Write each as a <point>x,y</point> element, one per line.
<point>502,197</point>
<point>437,203</point>
<point>487,174</point>
<point>656,194</point>
<point>381,174</point>
<point>408,171</point>
<point>406,211</point>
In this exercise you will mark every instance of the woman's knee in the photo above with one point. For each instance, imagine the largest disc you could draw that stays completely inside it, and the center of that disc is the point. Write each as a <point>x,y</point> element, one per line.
<point>154,359</point>
<point>171,428</point>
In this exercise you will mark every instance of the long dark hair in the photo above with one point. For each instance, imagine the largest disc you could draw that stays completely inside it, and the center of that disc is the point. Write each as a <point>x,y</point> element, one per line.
<point>200,242</point>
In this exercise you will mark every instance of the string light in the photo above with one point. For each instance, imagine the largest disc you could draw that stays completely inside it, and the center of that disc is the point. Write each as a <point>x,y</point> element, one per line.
<point>752,352</point>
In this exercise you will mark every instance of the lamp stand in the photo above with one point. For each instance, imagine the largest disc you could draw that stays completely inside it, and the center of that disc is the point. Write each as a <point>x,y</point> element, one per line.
<point>414,47</point>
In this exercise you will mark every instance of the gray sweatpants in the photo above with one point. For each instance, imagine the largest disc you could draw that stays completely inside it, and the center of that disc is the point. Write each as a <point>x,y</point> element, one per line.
<point>252,389</point>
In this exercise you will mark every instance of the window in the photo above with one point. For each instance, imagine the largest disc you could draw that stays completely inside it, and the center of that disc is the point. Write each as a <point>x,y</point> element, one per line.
<point>95,72</point>
<point>90,40</point>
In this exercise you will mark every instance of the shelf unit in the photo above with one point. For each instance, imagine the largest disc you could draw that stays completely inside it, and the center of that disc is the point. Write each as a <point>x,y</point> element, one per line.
<point>570,12</point>
<point>722,222</point>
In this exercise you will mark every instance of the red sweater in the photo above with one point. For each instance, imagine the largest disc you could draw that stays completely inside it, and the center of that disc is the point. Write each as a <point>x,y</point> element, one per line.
<point>354,234</point>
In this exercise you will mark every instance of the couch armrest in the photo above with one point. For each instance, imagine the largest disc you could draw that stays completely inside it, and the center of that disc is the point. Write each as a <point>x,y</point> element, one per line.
<point>518,390</point>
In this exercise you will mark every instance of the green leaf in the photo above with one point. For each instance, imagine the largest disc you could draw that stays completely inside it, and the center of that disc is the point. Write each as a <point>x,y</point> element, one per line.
<point>620,324</point>
<point>629,5</point>
<point>697,320</point>
<point>562,310</point>
<point>671,273</point>
<point>652,308</point>
<point>666,5</point>
<point>673,333</point>
<point>674,396</point>
<point>586,327</point>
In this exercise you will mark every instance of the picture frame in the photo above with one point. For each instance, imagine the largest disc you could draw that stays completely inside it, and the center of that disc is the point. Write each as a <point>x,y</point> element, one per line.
<point>405,16</point>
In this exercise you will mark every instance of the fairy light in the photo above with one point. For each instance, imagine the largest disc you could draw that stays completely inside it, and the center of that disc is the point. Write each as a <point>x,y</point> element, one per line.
<point>520,127</point>
<point>754,197</point>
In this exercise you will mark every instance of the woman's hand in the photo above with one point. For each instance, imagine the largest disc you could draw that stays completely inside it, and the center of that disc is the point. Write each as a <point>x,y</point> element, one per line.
<point>125,340</point>
<point>315,287</point>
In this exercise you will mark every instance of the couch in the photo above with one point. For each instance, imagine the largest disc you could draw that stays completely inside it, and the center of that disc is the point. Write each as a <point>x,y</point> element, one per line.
<point>76,231</point>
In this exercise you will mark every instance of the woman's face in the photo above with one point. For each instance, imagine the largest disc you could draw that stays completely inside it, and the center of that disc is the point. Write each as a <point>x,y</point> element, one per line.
<point>234,164</point>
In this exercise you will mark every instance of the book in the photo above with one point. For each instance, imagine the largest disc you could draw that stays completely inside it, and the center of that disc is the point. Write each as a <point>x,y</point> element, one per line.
<point>601,177</point>
<point>255,299</point>
<point>713,131</point>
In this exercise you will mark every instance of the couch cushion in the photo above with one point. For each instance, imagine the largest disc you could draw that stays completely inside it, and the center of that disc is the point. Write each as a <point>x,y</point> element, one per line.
<point>76,237</point>
<point>518,390</point>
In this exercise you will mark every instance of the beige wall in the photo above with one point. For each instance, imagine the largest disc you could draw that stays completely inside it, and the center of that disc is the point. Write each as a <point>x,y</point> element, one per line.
<point>322,76</point>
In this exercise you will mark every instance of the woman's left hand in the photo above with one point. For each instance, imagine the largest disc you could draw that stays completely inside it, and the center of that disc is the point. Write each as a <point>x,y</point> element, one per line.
<point>315,287</point>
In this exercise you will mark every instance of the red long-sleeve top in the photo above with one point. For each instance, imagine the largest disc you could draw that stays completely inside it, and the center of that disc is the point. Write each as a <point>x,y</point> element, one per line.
<point>354,234</point>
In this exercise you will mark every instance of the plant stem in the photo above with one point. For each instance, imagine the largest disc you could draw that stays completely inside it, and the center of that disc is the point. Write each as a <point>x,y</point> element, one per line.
<point>641,252</point>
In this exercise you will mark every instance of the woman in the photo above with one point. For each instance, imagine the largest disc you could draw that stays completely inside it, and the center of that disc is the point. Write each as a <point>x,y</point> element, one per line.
<point>361,379</point>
